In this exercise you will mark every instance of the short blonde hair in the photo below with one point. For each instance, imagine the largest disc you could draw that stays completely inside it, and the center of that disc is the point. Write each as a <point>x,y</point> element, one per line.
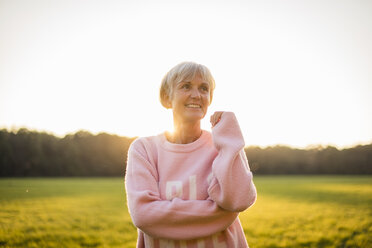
<point>185,71</point>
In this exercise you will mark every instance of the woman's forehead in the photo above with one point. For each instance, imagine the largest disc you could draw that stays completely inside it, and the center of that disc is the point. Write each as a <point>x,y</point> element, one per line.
<point>189,80</point>
<point>191,77</point>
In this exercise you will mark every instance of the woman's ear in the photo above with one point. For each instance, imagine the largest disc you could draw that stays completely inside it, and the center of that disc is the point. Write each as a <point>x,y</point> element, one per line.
<point>210,99</point>
<point>168,103</point>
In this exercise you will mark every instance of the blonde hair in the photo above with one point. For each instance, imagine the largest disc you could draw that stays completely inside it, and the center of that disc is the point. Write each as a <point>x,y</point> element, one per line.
<point>184,71</point>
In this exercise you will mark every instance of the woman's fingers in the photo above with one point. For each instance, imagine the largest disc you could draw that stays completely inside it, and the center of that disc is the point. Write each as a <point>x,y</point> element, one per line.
<point>216,117</point>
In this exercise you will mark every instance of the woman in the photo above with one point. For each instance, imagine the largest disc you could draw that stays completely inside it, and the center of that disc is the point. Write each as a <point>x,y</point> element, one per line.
<point>186,188</point>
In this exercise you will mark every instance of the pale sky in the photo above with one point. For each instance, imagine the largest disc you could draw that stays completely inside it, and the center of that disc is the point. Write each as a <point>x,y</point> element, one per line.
<point>294,72</point>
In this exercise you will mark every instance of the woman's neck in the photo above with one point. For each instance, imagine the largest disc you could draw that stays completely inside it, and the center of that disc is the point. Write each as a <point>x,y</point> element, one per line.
<point>185,133</point>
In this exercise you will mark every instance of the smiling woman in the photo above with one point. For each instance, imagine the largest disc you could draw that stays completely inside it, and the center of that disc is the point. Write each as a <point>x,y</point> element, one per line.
<point>187,89</point>
<point>182,186</point>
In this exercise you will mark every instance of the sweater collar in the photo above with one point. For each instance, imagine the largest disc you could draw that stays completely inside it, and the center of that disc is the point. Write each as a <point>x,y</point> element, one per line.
<point>183,147</point>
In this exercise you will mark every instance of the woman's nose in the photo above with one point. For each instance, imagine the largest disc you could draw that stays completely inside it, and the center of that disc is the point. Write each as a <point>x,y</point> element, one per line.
<point>195,93</point>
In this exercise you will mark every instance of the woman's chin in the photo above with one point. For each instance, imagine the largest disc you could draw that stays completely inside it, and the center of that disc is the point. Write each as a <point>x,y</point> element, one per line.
<point>190,118</point>
<point>195,118</point>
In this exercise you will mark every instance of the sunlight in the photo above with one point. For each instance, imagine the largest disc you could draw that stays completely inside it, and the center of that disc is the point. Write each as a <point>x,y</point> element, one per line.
<point>291,79</point>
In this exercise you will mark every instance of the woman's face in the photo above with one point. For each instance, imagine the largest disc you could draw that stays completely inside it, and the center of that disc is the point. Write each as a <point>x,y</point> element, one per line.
<point>190,100</point>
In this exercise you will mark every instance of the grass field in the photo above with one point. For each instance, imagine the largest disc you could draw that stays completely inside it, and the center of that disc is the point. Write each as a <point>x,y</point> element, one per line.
<point>291,211</point>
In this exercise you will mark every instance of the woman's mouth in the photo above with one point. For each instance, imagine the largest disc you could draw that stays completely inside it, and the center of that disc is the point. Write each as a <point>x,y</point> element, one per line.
<point>193,105</point>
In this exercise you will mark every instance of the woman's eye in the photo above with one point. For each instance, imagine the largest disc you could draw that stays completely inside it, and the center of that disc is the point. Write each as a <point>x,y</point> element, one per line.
<point>185,86</point>
<point>204,88</point>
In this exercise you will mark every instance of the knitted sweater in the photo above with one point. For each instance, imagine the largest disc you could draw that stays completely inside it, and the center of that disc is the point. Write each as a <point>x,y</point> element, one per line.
<point>190,195</point>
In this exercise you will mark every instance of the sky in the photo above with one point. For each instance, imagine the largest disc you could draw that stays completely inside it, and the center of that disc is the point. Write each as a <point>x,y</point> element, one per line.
<point>295,72</point>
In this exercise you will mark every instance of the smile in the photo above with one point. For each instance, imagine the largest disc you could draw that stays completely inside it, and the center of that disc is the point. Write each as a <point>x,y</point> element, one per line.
<point>193,105</point>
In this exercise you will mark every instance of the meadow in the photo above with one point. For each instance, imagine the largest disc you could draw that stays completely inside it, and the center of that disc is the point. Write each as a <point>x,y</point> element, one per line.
<point>291,211</point>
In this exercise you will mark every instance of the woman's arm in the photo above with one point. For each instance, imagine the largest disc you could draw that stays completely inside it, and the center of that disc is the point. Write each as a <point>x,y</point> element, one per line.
<point>232,186</point>
<point>176,219</point>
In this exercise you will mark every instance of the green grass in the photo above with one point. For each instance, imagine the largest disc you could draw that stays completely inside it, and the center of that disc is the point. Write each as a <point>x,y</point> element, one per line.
<point>291,211</point>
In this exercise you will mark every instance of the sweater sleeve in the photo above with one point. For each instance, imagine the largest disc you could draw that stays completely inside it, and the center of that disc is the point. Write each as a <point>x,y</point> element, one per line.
<point>232,186</point>
<point>176,219</point>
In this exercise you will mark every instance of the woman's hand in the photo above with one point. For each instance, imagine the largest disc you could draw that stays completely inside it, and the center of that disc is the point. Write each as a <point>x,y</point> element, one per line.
<point>216,117</point>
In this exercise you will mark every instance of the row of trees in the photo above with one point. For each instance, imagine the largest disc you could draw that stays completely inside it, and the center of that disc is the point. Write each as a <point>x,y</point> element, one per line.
<point>321,160</point>
<point>30,153</point>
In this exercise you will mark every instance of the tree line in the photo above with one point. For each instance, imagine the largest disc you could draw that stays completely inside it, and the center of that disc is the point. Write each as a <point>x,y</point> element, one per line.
<point>26,153</point>
<point>321,160</point>
<point>31,153</point>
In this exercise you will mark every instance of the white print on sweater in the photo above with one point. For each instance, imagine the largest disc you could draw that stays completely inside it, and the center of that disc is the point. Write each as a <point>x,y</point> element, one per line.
<point>192,185</point>
<point>174,189</point>
<point>217,243</point>
<point>171,244</point>
<point>165,243</point>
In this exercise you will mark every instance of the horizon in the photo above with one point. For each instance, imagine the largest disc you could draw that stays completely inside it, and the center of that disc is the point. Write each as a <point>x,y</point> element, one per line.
<point>307,147</point>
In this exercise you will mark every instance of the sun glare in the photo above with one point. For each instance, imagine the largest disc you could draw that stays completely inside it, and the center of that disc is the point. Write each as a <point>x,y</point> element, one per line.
<point>291,78</point>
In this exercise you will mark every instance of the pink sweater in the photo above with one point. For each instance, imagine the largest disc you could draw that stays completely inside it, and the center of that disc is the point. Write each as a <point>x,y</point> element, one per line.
<point>190,195</point>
